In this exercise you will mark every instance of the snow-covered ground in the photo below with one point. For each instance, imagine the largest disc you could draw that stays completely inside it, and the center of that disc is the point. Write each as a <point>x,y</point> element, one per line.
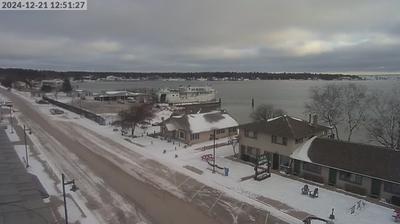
<point>278,194</point>
<point>277,188</point>
<point>12,134</point>
<point>48,175</point>
<point>43,168</point>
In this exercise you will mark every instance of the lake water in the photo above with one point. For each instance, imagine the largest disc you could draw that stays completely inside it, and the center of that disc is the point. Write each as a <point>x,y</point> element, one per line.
<point>289,95</point>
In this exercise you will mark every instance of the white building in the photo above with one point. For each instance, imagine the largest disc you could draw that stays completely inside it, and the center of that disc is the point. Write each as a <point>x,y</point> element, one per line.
<point>190,94</point>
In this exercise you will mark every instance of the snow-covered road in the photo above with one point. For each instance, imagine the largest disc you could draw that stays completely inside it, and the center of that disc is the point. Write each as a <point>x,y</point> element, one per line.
<point>120,185</point>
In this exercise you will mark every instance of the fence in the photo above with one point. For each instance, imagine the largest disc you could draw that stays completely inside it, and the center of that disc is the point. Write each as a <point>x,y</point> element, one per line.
<point>203,148</point>
<point>89,115</point>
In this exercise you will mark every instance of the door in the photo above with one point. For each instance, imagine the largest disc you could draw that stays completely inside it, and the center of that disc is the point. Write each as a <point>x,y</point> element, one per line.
<point>375,187</point>
<point>163,98</point>
<point>275,161</point>
<point>332,176</point>
<point>243,155</point>
<point>296,167</point>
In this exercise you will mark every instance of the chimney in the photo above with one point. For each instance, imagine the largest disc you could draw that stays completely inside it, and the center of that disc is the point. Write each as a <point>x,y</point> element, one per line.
<point>315,120</point>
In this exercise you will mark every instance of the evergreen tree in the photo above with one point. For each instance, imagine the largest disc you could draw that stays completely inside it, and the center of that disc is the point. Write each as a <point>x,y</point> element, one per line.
<point>66,86</point>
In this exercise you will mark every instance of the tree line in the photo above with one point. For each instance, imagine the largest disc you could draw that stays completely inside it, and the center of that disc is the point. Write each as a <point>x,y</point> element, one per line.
<point>10,75</point>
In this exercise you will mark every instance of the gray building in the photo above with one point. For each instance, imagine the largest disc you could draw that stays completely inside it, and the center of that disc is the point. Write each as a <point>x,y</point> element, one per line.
<point>277,138</point>
<point>200,127</point>
<point>358,168</point>
<point>303,148</point>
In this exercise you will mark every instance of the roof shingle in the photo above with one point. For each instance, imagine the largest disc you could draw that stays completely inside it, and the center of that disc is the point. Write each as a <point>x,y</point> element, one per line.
<point>285,126</point>
<point>369,160</point>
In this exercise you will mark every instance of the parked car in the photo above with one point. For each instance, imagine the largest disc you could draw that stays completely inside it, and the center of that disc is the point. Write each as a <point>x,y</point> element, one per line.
<point>41,101</point>
<point>55,111</point>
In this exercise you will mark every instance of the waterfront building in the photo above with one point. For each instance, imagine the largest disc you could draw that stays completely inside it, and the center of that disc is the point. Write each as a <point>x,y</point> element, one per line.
<point>53,84</point>
<point>305,149</point>
<point>200,127</point>
<point>120,95</point>
<point>189,94</point>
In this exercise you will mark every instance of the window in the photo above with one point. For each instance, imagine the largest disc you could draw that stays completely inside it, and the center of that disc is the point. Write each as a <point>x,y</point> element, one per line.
<point>243,149</point>
<point>350,177</point>
<point>284,141</point>
<point>284,160</point>
<point>220,131</point>
<point>249,150</point>
<point>181,134</point>
<point>391,188</point>
<point>279,140</point>
<point>298,140</point>
<point>250,134</point>
<point>232,130</point>
<point>194,136</point>
<point>257,151</point>
<point>309,167</point>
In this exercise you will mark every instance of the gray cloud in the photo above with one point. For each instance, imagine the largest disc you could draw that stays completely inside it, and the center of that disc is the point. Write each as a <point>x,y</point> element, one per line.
<point>208,35</point>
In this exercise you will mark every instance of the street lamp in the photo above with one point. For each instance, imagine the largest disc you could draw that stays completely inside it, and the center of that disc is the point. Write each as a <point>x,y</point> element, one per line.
<point>11,120</point>
<point>1,111</point>
<point>73,189</point>
<point>213,136</point>
<point>26,145</point>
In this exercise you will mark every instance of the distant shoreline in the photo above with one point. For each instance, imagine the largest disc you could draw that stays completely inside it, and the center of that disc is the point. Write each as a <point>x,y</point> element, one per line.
<point>19,74</point>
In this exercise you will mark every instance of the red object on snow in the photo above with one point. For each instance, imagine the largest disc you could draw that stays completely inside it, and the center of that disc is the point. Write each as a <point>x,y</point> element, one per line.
<point>207,157</point>
<point>396,215</point>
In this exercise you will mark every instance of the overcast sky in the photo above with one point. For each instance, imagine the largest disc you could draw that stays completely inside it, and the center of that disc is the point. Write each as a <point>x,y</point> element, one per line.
<point>207,35</point>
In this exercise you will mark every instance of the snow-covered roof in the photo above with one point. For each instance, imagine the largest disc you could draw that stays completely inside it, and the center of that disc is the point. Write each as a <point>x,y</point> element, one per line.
<point>301,153</point>
<point>201,122</point>
<point>121,92</point>
<point>210,121</point>
<point>170,126</point>
<point>286,126</point>
<point>118,93</point>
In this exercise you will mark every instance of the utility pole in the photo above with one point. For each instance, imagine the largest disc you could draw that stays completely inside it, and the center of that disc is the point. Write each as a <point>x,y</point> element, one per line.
<point>73,188</point>
<point>398,137</point>
<point>1,111</point>
<point>26,145</point>
<point>11,120</point>
<point>214,153</point>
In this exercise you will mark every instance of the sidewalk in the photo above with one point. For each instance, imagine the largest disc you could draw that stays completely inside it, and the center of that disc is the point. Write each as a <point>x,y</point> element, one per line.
<point>21,196</point>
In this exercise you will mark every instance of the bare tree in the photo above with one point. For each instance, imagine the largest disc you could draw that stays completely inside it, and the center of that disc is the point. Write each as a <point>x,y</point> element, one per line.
<point>384,119</point>
<point>326,103</point>
<point>339,105</point>
<point>265,112</point>
<point>354,102</point>
<point>134,115</point>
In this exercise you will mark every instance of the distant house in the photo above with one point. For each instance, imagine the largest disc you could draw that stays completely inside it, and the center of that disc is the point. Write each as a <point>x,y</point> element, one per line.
<point>358,168</point>
<point>53,84</point>
<point>119,95</point>
<point>20,85</point>
<point>196,128</point>
<point>113,78</point>
<point>277,138</point>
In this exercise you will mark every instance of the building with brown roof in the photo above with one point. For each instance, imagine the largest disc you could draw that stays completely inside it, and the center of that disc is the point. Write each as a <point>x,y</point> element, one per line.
<point>358,168</point>
<point>303,149</point>
<point>277,138</point>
